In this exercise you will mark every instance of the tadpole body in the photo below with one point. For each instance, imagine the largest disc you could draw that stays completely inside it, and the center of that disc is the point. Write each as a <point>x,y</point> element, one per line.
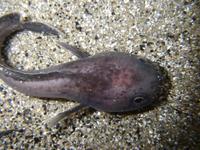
<point>110,82</point>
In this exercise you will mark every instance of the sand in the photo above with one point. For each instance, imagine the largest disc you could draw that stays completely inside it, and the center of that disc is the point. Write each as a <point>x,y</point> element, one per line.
<point>166,32</point>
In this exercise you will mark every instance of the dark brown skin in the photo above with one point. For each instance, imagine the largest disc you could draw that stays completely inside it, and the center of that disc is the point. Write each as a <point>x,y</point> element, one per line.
<point>111,82</point>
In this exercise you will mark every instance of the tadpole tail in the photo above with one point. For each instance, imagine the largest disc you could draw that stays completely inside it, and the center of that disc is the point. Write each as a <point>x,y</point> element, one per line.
<point>10,24</point>
<point>39,27</point>
<point>53,121</point>
<point>74,50</point>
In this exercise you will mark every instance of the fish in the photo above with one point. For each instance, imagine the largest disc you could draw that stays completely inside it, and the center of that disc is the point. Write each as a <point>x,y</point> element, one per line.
<point>109,81</point>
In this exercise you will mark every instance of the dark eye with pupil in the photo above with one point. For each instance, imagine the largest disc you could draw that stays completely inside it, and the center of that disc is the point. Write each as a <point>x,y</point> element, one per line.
<point>138,99</point>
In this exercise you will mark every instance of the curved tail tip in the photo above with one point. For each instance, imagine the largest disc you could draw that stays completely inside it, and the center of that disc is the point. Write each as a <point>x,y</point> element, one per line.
<point>15,17</point>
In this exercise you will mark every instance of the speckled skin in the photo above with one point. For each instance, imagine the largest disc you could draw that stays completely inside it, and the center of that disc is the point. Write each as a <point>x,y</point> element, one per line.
<point>111,82</point>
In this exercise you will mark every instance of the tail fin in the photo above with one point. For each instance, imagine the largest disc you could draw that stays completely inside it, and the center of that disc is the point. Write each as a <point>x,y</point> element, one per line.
<point>74,50</point>
<point>40,28</point>
<point>53,121</point>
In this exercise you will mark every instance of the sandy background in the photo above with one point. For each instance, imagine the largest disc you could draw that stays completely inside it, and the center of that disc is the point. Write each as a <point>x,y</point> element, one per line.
<point>164,31</point>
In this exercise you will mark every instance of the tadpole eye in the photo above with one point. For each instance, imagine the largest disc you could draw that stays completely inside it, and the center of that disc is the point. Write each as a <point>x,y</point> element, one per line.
<point>138,99</point>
